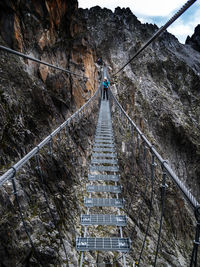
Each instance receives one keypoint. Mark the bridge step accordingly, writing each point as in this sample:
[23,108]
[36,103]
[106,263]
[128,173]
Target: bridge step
[103,168]
[104,130]
[99,136]
[105,149]
[103,127]
[103,161]
[103,141]
[103,188]
[104,133]
[103,244]
[103,177]
[103,219]
[104,155]
[104,202]
[103,145]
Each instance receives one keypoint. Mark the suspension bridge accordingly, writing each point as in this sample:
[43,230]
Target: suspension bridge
[104,178]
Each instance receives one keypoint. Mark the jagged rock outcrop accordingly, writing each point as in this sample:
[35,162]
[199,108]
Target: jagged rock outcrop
[34,100]
[35,95]
[159,90]
[194,40]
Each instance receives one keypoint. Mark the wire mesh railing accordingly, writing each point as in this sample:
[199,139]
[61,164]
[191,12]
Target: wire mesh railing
[152,183]
[35,198]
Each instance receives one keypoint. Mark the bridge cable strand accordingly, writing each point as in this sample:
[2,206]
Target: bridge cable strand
[135,187]
[14,52]
[163,195]
[151,206]
[136,178]
[9,173]
[159,32]
[194,257]
[186,193]
[23,220]
[40,175]
[143,198]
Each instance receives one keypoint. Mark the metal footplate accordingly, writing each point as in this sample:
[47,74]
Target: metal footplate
[103,134]
[102,141]
[103,145]
[99,137]
[104,130]
[103,244]
[103,188]
[103,177]
[104,155]
[103,219]
[103,149]
[104,168]
[103,161]
[104,202]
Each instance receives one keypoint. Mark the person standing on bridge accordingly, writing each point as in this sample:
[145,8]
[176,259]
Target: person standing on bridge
[105,88]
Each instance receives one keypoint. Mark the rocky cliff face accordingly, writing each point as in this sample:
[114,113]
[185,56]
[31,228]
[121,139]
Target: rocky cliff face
[34,100]
[159,90]
[41,97]
[194,40]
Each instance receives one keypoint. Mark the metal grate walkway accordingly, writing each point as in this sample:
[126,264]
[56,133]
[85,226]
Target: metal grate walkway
[104,155]
[104,168]
[104,202]
[103,161]
[110,244]
[103,149]
[103,219]
[103,188]
[103,177]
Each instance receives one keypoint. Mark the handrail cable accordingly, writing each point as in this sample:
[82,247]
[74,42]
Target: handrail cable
[23,220]
[158,33]
[14,52]
[163,195]
[151,206]
[187,194]
[40,175]
[9,173]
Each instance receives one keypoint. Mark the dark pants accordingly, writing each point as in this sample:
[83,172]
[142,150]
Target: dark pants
[105,93]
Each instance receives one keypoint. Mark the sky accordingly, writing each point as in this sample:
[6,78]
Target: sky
[156,11]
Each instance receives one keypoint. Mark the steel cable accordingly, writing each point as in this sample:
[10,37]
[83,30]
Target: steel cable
[151,207]
[186,193]
[146,179]
[9,173]
[158,33]
[163,194]
[23,220]
[14,52]
[40,174]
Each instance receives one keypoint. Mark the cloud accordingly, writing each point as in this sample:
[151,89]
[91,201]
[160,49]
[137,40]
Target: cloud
[181,31]
[185,25]
[144,7]
[156,11]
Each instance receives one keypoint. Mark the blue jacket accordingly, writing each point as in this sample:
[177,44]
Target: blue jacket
[105,84]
